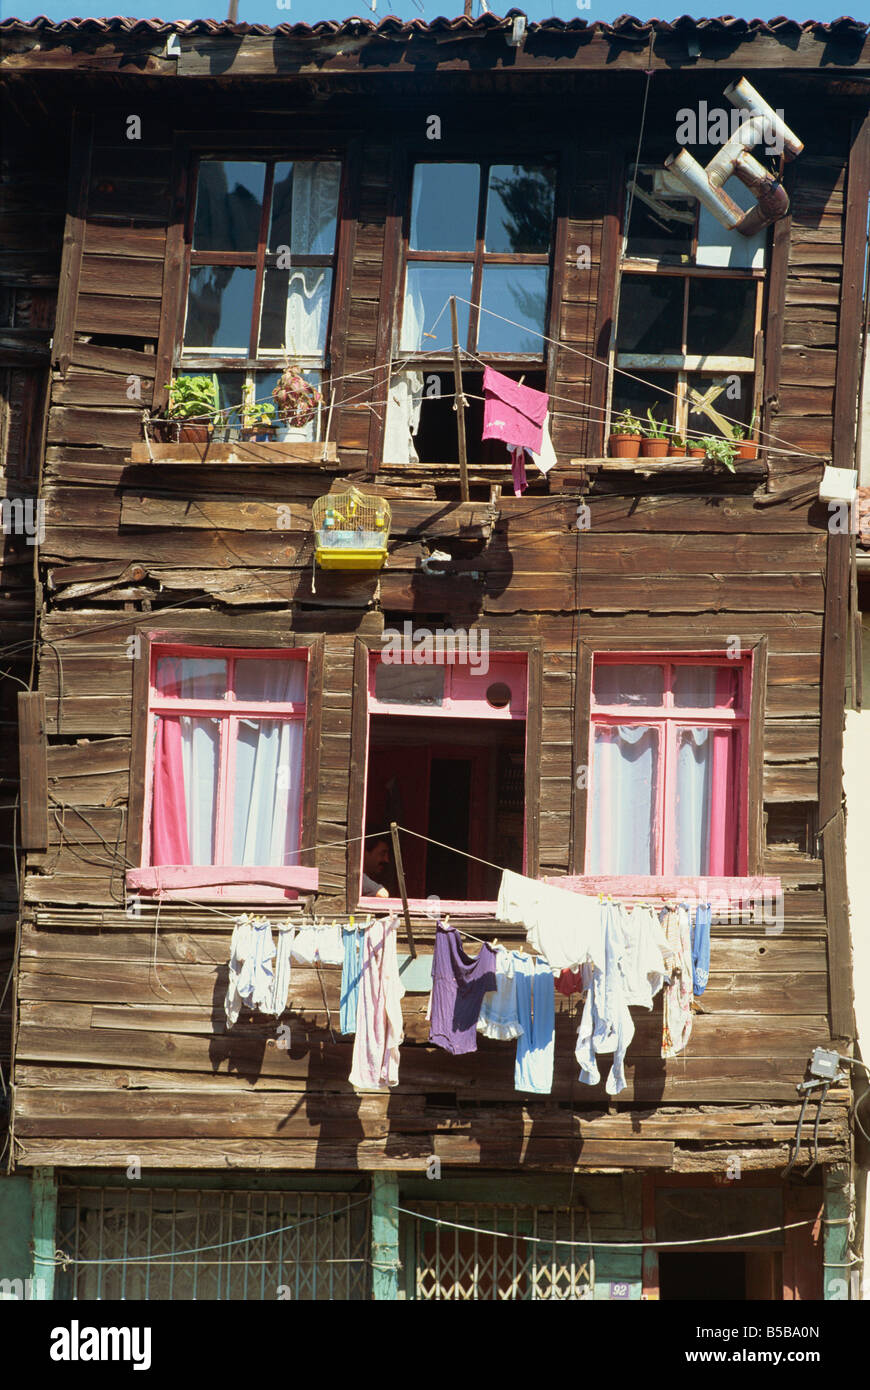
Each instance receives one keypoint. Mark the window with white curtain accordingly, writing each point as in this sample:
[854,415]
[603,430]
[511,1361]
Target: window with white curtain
[227,738]
[261,270]
[668,766]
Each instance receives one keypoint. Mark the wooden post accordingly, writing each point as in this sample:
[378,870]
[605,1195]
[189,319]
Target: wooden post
[44,1197]
[459,403]
[33,764]
[400,872]
[385,1237]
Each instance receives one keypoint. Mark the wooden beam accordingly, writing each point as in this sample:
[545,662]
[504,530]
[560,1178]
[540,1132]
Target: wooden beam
[73,238]
[33,764]
[400,873]
[459,403]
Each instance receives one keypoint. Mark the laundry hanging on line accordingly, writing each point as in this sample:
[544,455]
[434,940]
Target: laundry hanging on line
[259,970]
[517,416]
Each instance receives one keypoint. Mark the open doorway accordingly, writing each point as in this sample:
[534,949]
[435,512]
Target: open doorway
[446,758]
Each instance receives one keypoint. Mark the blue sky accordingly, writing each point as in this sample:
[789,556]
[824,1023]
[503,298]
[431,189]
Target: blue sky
[308,11]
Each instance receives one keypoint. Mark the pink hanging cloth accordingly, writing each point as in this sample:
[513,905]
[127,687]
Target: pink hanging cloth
[514,414]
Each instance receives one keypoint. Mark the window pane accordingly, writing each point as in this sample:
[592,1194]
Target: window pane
[296,310]
[662,224]
[721,317]
[268,790]
[444,207]
[705,820]
[191,678]
[186,761]
[518,293]
[519,209]
[622,804]
[733,401]
[426,294]
[640,390]
[219,306]
[628,685]
[650,314]
[409,685]
[261,681]
[229,199]
[706,687]
[305,207]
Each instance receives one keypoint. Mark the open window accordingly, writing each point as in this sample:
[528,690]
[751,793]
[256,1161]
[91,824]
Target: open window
[224,773]
[447,758]
[690,311]
[668,766]
[261,257]
[484,232]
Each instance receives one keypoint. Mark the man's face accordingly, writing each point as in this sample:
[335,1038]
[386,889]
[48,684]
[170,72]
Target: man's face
[376,859]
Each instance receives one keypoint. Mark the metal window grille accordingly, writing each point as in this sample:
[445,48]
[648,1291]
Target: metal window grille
[521,1263]
[148,1245]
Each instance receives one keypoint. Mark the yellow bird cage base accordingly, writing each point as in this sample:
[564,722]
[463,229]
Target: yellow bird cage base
[351,530]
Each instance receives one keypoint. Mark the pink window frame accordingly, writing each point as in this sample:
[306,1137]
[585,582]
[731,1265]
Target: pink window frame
[482,710]
[253,883]
[667,718]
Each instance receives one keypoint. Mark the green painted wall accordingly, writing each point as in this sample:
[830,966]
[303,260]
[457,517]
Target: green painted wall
[16,1220]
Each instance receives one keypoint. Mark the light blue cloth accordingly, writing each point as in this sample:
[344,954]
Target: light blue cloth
[606,1025]
[498,1012]
[701,948]
[351,974]
[536,1011]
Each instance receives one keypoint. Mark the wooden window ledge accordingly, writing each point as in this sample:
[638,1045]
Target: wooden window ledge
[238,452]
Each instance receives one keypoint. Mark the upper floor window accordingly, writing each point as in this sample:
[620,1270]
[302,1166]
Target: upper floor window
[226,767]
[690,309]
[261,268]
[484,232]
[669,766]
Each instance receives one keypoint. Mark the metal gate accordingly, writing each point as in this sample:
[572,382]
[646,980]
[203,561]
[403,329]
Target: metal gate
[184,1244]
[475,1251]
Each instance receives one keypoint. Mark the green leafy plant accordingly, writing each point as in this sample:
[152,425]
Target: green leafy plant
[739,433]
[719,449]
[625,423]
[262,413]
[677,440]
[192,398]
[656,429]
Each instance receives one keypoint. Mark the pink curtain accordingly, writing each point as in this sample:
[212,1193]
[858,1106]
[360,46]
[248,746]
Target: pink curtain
[169,839]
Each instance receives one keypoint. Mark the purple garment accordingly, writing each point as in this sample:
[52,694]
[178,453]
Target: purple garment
[459,983]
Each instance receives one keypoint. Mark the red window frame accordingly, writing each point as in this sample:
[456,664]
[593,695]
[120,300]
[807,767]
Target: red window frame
[667,717]
[255,883]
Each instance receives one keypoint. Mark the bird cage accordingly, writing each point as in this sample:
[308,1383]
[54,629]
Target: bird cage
[350,530]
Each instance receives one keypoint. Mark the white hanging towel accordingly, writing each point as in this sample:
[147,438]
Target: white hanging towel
[252,977]
[563,927]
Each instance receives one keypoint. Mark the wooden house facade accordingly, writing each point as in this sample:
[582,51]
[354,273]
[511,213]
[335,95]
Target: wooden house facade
[218,200]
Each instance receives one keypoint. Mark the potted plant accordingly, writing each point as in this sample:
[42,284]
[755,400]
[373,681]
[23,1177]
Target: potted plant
[654,443]
[747,447]
[261,421]
[625,436]
[695,448]
[676,444]
[718,449]
[296,399]
[193,403]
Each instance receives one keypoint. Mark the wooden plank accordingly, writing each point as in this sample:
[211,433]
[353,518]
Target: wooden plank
[217,453]
[73,237]
[33,770]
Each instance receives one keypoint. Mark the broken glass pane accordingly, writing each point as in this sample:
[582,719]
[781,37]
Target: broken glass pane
[650,314]
[662,223]
[229,199]
[444,207]
[519,210]
[630,684]
[721,317]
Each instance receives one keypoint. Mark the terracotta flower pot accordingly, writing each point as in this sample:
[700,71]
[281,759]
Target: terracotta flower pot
[653,448]
[676,450]
[625,446]
[163,431]
[748,449]
[695,453]
[193,434]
